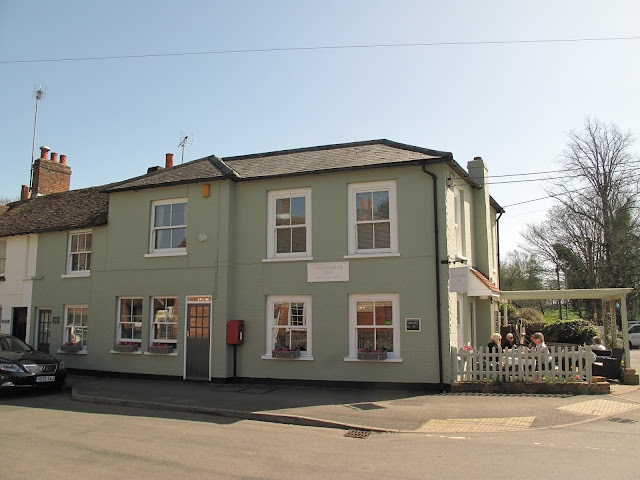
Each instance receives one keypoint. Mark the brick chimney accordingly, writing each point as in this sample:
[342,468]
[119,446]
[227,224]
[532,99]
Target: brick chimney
[49,176]
[169,160]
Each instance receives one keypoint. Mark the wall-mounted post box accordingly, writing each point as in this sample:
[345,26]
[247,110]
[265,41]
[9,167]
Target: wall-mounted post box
[235,332]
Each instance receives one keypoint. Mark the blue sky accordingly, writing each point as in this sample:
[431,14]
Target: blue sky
[511,104]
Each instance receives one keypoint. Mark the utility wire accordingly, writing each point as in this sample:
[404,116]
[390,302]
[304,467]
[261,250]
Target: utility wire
[323,47]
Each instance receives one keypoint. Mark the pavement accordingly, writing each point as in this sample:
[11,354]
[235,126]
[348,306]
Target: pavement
[356,409]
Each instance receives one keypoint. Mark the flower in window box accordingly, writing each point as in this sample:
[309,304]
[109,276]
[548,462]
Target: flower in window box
[372,354]
[285,352]
[71,347]
[126,347]
[164,348]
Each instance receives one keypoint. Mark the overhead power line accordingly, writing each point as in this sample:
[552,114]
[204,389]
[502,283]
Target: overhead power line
[323,47]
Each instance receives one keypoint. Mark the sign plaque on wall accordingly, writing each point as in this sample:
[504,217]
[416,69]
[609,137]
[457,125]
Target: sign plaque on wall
[412,324]
[55,319]
[328,272]
[459,279]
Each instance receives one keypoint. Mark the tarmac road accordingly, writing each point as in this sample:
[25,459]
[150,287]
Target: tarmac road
[48,436]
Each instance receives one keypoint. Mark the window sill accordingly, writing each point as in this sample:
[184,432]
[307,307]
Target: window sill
[76,275]
[165,254]
[126,353]
[81,352]
[372,255]
[287,259]
[172,354]
[304,358]
[387,360]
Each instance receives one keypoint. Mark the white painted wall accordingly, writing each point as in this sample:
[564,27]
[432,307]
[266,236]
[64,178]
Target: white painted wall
[20,268]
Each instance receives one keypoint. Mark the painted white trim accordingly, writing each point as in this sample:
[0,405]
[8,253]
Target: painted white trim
[172,354]
[353,189]
[394,298]
[371,255]
[81,352]
[165,254]
[126,353]
[301,358]
[166,251]
[82,274]
[386,360]
[70,272]
[308,309]
[152,319]
[64,324]
[119,317]
[274,195]
[290,259]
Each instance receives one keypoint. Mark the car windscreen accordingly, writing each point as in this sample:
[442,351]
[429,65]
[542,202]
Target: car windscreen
[13,344]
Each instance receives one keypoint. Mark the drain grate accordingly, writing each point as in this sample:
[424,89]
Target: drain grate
[357,433]
[622,420]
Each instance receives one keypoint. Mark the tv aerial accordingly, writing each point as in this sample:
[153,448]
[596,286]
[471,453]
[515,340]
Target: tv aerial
[186,138]
[39,92]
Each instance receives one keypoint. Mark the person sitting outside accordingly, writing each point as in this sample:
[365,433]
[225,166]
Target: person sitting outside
[538,346]
[597,344]
[494,347]
[510,342]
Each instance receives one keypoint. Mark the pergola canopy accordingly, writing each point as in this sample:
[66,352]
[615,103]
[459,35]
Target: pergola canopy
[572,294]
[604,294]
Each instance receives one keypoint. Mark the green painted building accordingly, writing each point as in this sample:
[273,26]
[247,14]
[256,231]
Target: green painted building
[361,262]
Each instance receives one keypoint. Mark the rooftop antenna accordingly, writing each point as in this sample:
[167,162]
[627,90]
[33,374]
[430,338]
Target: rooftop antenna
[39,92]
[185,139]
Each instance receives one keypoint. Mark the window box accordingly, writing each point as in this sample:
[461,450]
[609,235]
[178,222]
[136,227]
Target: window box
[126,348]
[161,349]
[71,347]
[285,354]
[372,355]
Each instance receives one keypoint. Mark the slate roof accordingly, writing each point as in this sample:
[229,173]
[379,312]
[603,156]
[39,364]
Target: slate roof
[302,161]
[88,207]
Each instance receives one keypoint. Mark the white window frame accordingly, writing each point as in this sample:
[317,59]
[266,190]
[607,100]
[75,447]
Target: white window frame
[394,298]
[119,321]
[271,301]
[273,196]
[353,190]
[89,253]
[67,326]
[154,252]
[152,335]
[3,258]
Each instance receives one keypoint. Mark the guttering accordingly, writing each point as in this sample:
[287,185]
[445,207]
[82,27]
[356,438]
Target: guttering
[436,230]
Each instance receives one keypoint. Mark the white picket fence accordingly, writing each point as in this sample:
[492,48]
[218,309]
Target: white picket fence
[562,364]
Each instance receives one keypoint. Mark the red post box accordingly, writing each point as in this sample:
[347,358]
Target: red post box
[235,332]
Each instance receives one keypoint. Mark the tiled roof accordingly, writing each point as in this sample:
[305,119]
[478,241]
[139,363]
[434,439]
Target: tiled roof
[195,171]
[301,161]
[88,207]
[331,157]
[488,283]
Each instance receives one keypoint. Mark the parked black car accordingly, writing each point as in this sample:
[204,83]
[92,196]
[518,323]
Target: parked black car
[23,366]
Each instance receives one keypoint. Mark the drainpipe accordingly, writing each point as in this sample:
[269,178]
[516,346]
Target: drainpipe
[498,244]
[437,267]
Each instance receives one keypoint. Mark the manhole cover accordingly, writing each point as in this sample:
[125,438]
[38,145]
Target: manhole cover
[357,433]
[621,420]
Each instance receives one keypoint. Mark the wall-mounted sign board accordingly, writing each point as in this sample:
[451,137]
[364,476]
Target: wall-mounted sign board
[412,324]
[328,272]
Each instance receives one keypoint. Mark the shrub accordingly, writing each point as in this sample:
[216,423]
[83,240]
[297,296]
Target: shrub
[577,332]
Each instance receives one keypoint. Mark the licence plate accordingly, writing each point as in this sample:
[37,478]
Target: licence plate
[46,378]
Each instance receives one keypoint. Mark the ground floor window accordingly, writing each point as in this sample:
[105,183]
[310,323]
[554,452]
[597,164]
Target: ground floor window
[374,324]
[130,320]
[289,324]
[76,320]
[164,320]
